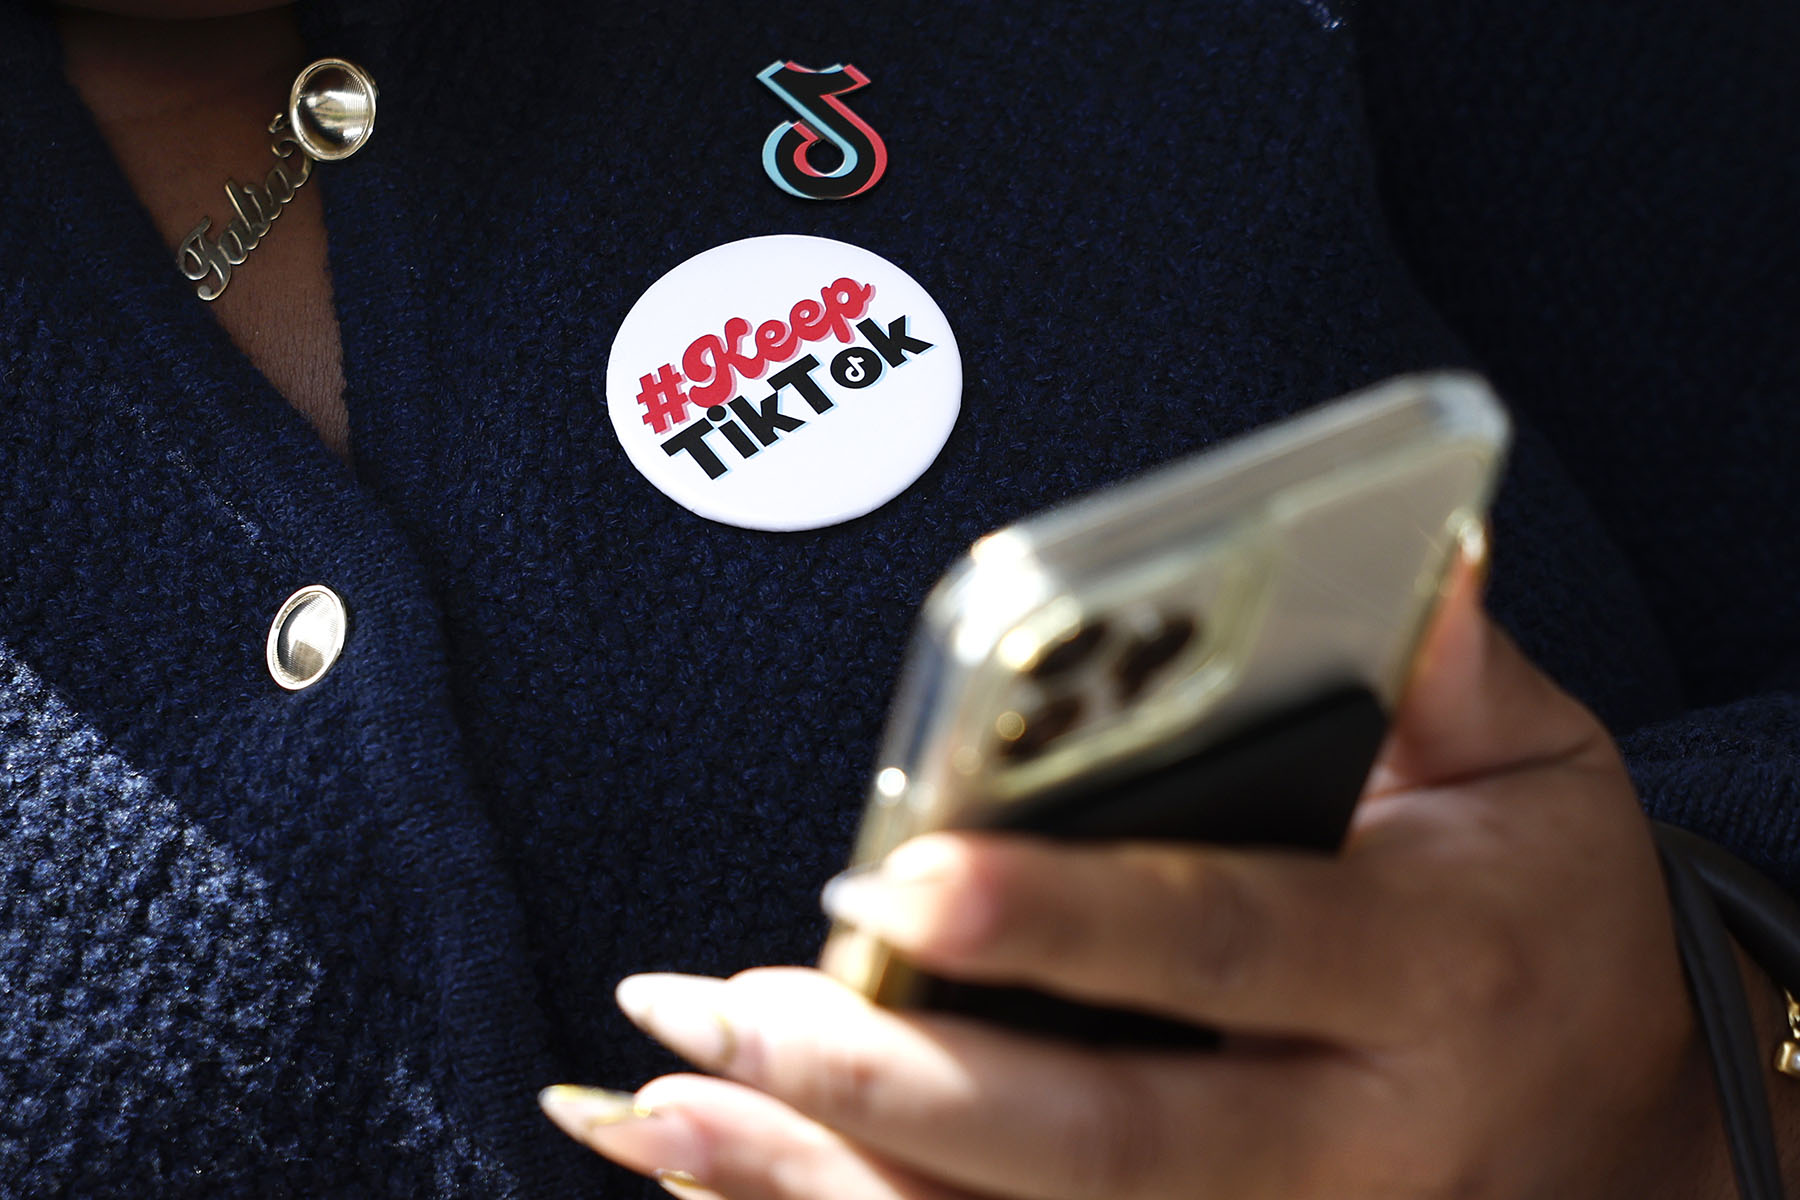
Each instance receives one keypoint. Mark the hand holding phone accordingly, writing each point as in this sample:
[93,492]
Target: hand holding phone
[1210,652]
[1479,993]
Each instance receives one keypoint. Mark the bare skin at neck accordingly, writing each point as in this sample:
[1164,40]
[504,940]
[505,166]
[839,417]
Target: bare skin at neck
[185,103]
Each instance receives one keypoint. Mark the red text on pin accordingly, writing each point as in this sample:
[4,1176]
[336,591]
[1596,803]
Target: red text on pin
[749,428]
[713,363]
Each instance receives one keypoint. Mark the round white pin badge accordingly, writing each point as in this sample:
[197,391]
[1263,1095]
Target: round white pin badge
[784,382]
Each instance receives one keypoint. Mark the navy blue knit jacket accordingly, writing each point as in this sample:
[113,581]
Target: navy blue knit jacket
[331,942]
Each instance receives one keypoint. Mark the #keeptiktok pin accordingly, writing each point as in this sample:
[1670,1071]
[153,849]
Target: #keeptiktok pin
[783,383]
[330,116]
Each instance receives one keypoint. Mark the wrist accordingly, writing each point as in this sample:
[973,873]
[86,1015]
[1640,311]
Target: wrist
[1768,1007]
[1696,1161]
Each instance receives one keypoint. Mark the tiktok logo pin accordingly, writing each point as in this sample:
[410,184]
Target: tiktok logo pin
[817,97]
[784,383]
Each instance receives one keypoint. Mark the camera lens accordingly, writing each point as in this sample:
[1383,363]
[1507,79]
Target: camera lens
[1023,735]
[1150,652]
[1068,651]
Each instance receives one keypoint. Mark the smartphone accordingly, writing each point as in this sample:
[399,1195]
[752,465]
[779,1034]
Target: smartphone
[1208,652]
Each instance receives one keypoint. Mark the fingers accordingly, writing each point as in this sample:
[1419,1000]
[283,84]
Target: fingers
[707,1139]
[1475,705]
[1253,942]
[1363,993]
[976,1108]
[1260,942]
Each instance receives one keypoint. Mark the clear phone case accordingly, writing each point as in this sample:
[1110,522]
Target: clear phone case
[1130,634]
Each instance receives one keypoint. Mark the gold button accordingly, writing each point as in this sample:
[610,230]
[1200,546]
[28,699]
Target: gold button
[306,637]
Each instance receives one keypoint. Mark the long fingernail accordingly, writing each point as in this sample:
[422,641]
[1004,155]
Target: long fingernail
[684,1012]
[857,897]
[926,859]
[578,1111]
[874,898]
[680,1183]
[658,1142]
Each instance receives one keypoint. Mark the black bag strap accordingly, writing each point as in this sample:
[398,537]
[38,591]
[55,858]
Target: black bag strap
[1715,897]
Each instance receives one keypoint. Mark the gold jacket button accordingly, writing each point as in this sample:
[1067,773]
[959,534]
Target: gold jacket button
[306,637]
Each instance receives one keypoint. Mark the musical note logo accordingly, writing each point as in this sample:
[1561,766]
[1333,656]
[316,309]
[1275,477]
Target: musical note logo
[793,156]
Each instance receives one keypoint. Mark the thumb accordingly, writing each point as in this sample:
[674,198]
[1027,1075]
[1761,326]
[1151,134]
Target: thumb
[1475,705]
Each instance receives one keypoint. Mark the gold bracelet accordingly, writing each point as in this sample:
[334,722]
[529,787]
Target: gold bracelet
[1787,1055]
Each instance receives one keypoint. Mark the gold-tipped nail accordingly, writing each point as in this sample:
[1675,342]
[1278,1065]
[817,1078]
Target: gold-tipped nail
[680,1183]
[577,1109]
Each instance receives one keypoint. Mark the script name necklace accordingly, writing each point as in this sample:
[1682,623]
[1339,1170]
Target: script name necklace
[330,115]
[208,261]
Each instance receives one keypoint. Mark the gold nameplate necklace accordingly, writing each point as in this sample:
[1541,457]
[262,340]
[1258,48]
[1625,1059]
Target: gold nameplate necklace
[330,115]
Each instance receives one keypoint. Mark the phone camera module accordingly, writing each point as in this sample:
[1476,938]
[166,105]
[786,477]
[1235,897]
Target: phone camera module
[1025,735]
[1148,653]
[1068,651]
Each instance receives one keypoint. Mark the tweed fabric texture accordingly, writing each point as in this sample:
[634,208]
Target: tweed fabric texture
[331,942]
